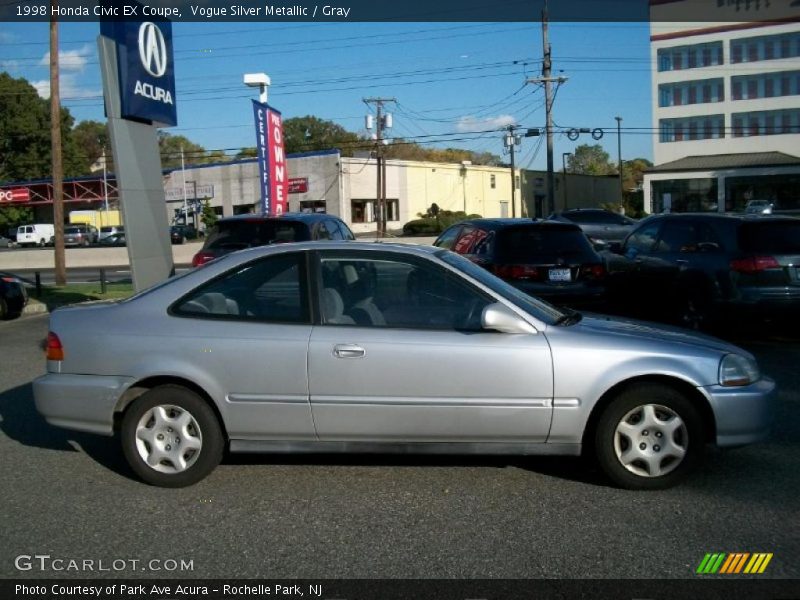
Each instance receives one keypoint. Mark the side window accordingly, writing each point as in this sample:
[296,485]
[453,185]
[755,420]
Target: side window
[484,245]
[448,238]
[344,231]
[642,239]
[685,236]
[322,232]
[397,292]
[333,229]
[465,240]
[271,290]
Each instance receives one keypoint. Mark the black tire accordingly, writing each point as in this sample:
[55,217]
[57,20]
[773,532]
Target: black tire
[42,243]
[4,314]
[176,401]
[653,446]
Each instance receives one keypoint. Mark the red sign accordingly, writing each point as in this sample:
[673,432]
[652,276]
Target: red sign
[15,195]
[279,178]
[298,185]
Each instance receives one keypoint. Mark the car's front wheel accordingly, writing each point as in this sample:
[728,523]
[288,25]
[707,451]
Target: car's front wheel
[171,437]
[649,437]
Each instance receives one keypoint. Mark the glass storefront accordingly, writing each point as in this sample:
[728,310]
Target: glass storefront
[684,195]
[782,190]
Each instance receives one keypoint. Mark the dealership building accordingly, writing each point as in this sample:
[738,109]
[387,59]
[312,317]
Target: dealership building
[327,182]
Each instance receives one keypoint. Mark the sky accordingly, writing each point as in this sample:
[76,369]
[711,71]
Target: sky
[455,84]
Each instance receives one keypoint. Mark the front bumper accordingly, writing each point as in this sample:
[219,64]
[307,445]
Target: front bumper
[743,415]
[81,402]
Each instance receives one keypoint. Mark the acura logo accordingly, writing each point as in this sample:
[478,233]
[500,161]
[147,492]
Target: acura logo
[152,49]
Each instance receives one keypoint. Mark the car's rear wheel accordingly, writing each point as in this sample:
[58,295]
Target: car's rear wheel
[171,437]
[4,314]
[650,437]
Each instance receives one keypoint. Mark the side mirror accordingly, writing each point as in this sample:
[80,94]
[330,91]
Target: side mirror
[498,317]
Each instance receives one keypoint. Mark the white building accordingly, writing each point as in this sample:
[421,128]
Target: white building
[726,108]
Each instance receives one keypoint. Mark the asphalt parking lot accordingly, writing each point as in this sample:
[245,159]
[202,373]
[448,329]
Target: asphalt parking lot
[71,496]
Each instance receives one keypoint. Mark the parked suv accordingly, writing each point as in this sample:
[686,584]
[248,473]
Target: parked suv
[693,267]
[550,260]
[246,231]
[601,226]
[80,235]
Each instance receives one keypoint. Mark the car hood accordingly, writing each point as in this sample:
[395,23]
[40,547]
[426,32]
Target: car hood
[651,332]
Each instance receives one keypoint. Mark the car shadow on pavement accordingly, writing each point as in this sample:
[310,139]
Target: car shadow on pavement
[567,468]
[20,421]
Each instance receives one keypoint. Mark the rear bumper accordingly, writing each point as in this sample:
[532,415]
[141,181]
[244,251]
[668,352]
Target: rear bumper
[743,415]
[81,402]
[578,295]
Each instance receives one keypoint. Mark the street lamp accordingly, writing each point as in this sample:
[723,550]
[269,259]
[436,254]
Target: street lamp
[564,156]
[259,80]
[619,156]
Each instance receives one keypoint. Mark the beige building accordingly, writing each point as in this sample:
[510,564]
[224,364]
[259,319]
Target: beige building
[347,187]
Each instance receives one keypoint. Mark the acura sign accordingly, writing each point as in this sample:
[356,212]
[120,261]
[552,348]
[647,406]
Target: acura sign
[146,74]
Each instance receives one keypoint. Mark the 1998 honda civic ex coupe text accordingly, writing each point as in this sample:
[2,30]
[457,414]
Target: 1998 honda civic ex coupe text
[356,347]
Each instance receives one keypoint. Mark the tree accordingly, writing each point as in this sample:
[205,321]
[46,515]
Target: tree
[170,147]
[208,216]
[590,160]
[25,134]
[633,172]
[92,138]
[11,215]
[306,134]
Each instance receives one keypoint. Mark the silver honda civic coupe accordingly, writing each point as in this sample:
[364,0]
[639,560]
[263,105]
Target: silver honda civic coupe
[358,347]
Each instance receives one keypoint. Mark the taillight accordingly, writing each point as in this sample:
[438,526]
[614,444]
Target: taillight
[593,271]
[516,271]
[55,351]
[202,258]
[754,264]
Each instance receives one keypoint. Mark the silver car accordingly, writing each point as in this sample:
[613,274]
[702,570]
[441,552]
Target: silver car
[356,347]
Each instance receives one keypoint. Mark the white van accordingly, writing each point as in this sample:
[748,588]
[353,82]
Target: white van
[38,234]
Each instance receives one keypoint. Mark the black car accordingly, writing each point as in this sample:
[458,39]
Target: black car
[602,226]
[176,235]
[694,267]
[13,296]
[188,232]
[246,231]
[547,259]
[113,239]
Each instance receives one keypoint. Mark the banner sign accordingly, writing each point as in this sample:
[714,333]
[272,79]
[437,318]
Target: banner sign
[298,185]
[146,73]
[15,195]
[273,178]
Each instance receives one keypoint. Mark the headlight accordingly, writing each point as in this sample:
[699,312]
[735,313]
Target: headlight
[735,370]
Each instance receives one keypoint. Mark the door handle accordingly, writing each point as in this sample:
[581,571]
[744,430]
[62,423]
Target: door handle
[348,351]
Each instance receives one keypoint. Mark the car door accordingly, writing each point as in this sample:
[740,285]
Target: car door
[253,325]
[419,368]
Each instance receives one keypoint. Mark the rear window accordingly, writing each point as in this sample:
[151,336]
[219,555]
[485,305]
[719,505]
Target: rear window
[548,244]
[72,230]
[774,237]
[106,229]
[235,235]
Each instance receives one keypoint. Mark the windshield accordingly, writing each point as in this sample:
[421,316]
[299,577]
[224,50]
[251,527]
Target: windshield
[536,307]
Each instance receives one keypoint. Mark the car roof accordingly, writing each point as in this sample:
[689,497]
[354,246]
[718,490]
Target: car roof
[502,223]
[289,216]
[725,217]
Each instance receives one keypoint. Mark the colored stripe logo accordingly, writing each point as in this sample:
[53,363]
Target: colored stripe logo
[734,563]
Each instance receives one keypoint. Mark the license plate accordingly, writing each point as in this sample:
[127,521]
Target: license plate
[559,275]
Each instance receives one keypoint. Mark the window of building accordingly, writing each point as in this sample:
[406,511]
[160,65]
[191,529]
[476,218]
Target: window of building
[691,92]
[516,182]
[765,47]
[689,57]
[736,89]
[492,182]
[692,128]
[766,122]
[362,211]
[766,85]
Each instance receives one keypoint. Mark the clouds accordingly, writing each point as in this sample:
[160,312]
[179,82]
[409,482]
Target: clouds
[470,123]
[72,64]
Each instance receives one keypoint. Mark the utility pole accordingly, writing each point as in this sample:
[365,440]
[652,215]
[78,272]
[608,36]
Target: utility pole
[511,141]
[55,146]
[547,79]
[381,122]
[105,182]
[619,157]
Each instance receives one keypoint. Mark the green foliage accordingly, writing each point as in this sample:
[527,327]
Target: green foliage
[434,225]
[170,148]
[92,137]
[590,160]
[403,150]
[11,215]
[246,153]
[208,216]
[25,151]
[307,134]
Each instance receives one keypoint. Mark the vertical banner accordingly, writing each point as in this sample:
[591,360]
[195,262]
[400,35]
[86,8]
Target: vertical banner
[273,178]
